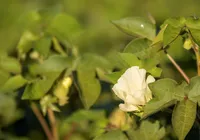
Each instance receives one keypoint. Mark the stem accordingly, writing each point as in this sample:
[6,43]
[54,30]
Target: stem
[42,121]
[68,135]
[53,123]
[195,47]
[178,68]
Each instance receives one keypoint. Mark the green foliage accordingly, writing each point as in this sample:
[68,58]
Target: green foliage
[147,131]
[113,135]
[183,118]
[136,26]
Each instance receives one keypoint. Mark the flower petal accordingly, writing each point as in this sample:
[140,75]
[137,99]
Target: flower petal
[150,79]
[128,107]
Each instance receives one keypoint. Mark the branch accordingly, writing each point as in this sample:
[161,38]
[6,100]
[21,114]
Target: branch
[178,68]
[42,121]
[53,123]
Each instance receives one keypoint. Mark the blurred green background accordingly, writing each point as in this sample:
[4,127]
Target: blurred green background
[98,36]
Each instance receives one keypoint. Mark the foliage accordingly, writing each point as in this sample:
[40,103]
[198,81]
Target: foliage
[65,60]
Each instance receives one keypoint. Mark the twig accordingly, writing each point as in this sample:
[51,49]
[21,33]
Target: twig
[53,123]
[195,47]
[42,121]
[178,68]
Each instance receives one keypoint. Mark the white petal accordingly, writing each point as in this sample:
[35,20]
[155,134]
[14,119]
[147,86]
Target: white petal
[121,94]
[150,79]
[137,99]
[148,95]
[128,107]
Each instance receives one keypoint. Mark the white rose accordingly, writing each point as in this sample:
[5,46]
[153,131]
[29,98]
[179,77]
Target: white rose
[132,88]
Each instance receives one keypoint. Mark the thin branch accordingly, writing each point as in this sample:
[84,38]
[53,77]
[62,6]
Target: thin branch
[53,124]
[178,68]
[195,47]
[42,121]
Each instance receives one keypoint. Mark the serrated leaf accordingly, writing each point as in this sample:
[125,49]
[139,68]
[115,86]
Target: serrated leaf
[138,47]
[163,92]
[194,88]
[13,83]
[112,135]
[183,118]
[39,88]
[55,63]
[136,26]
[170,34]
[147,131]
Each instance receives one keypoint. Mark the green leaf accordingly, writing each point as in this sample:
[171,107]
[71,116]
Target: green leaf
[85,115]
[13,83]
[90,87]
[136,26]
[170,34]
[55,63]
[138,47]
[39,88]
[176,22]
[64,27]
[42,46]
[147,131]
[163,92]
[4,76]
[183,118]
[114,76]
[112,135]
[194,88]
[159,37]
[130,59]
[10,64]
[181,91]
[195,34]
[26,42]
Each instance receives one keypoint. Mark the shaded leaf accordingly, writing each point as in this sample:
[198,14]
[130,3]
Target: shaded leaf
[64,27]
[39,88]
[112,135]
[4,76]
[136,26]
[138,47]
[147,131]
[170,34]
[194,88]
[55,63]
[42,46]
[163,92]
[10,64]
[183,118]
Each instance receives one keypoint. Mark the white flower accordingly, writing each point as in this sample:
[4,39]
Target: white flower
[132,88]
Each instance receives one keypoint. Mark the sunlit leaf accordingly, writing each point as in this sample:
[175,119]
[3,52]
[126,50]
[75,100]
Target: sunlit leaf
[136,26]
